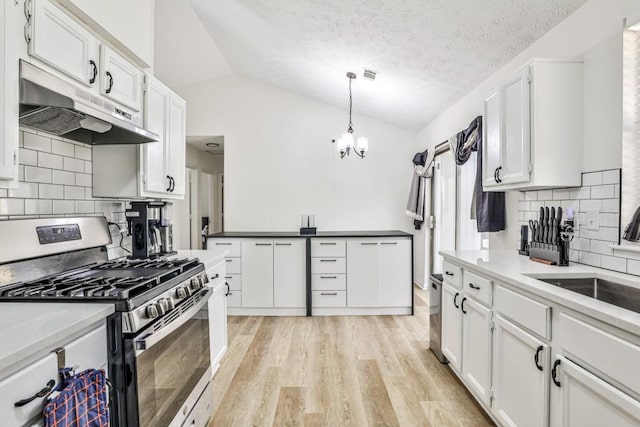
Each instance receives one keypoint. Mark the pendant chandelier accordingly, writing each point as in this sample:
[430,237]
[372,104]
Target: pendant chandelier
[345,144]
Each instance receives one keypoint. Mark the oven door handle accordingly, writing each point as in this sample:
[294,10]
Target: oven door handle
[148,340]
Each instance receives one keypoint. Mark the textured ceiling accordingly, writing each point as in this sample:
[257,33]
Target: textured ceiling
[209,144]
[428,52]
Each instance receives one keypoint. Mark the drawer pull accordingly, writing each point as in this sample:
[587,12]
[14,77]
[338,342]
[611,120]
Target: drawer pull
[536,358]
[472,286]
[554,372]
[263,244]
[329,293]
[328,243]
[228,289]
[283,244]
[462,305]
[228,277]
[328,260]
[369,243]
[228,260]
[455,300]
[448,273]
[215,276]
[328,277]
[389,243]
[223,244]
[42,393]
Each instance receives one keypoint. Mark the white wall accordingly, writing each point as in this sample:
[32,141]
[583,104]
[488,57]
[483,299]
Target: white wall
[203,161]
[280,162]
[593,32]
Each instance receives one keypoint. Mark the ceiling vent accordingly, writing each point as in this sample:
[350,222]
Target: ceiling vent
[369,74]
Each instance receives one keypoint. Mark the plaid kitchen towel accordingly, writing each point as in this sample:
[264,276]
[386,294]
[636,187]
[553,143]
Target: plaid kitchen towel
[80,400]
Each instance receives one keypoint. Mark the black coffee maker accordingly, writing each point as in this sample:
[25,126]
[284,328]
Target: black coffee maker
[150,230]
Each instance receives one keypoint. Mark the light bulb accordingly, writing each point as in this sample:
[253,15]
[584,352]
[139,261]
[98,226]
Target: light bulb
[348,139]
[363,144]
[341,144]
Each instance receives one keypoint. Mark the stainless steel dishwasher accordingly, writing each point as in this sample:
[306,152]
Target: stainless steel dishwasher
[435,317]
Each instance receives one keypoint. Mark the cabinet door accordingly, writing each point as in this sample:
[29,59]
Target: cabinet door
[363,273]
[520,368]
[491,150]
[218,326]
[515,128]
[9,83]
[586,400]
[289,273]
[177,143]
[476,347]
[120,80]
[156,110]
[61,42]
[452,326]
[257,273]
[395,273]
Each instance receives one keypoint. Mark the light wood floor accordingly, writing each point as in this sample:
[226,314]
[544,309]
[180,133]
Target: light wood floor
[338,371]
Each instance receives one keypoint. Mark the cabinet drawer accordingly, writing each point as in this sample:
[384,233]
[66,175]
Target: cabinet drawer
[216,273]
[328,248]
[23,384]
[329,298]
[477,287]
[609,354]
[233,265]
[531,314]
[231,245]
[328,265]
[329,282]
[234,281]
[452,274]
[88,352]
[234,299]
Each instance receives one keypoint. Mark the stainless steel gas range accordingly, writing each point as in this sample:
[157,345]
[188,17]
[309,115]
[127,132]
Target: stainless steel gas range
[159,357]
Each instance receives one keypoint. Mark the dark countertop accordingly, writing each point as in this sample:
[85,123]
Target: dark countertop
[290,234]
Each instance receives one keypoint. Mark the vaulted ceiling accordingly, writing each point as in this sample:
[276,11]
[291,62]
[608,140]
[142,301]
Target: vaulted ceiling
[428,53]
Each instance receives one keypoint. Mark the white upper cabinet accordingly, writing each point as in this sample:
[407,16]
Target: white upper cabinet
[533,128]
[120,80]
[177,143]
[154,155]
[61,42]
[9,38]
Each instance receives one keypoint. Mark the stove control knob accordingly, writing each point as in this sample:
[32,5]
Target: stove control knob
[195,283]
[152,311]
[170,305]
[162,309]
[183,292]
[165,304]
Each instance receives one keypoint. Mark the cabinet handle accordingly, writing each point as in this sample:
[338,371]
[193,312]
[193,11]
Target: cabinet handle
[228,277]
[110,77]
[472,286]
[328,243]
[495,176]
[328,260]
[283,244]
[554,372]
[223,244]
[498,174]
[368,243]
[448,273]
[42,393]
[94,69]
[173,184]
[455,300]
[328,277]
[263,244]
[536,358]
[329,293]
[215,277]
[228,260]
[169,187]
[228,289]
[389,243]
[462,305]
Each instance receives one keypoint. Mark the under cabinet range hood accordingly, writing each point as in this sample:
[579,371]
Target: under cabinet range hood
[55,106]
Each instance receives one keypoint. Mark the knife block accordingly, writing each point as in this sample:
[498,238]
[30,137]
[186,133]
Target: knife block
[556,254]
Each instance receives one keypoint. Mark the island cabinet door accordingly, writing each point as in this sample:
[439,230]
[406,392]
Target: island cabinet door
[395,273]
[257,273]
[363,273]
[476,347]
[289,273]
[520,368]
[584,399]
[452,326]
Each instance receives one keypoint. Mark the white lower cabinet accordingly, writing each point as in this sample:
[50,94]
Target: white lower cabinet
[451,326]
[476,347]
[583,399]
[363,277]
[395,273]
[289,274]
[218,326]
[520,368]
[257,273]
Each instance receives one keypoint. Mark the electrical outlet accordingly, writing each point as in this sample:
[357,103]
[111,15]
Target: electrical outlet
[593,220]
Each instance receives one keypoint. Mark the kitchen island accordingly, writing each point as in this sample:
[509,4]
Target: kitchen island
[512,327]
[328,273]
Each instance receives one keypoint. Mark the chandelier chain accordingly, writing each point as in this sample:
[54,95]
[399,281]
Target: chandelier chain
[350,129]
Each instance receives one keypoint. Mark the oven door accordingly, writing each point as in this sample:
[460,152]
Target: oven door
[172,363]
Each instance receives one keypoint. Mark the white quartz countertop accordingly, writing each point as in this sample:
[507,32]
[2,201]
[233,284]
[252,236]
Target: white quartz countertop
[516,270]
[208,257]
[29,328]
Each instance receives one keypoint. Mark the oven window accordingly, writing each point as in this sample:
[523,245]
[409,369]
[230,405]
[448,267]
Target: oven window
[168,371]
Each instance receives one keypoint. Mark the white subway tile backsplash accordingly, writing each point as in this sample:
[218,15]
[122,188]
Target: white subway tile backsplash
[82,152]
[602,192]
[51,161]
[580,193]
[601,247]
[590,205]
[25,190]
[633,267]
[561,194]
[524,206]
[85,206]
[83,179]
[611,205]
[592,178]
[35,174]
[11,206]
[88,167]
[608,220]
[62,148]
[64,206]
[610,234]
[20,172]
[545,195]
[28,157]
[64,177]
[530,195]
[74,165]
[73,192]
[611,176]
[589,259]
[37,142]
[38,206]
[613,263]
[50,191]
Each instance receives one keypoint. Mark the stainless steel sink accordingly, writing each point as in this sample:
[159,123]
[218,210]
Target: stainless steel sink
[603,290]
